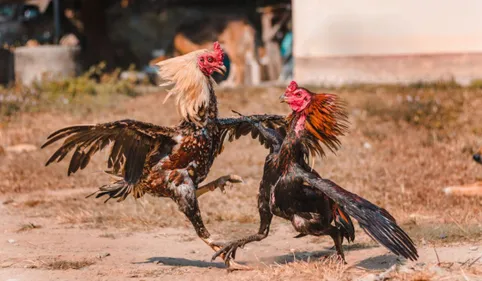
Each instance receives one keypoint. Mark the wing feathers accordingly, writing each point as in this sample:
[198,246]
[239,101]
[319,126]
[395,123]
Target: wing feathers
[375,221]
[132,142]
[234,128]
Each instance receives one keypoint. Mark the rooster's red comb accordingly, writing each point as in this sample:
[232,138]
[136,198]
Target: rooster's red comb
[218,51]
[292,86]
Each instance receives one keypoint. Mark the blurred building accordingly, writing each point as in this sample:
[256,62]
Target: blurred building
[377,41]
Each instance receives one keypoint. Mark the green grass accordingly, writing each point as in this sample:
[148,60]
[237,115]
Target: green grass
[82,92]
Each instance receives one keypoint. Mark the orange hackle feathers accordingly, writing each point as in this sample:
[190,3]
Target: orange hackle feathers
[190,86]
[325,121]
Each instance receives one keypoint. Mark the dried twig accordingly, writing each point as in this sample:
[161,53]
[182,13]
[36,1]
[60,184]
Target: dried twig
[465,276]
[458,224]
[436,254]
[472,263]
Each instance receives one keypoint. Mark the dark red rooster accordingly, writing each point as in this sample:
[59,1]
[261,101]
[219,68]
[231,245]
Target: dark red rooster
[292,190]
[166,161]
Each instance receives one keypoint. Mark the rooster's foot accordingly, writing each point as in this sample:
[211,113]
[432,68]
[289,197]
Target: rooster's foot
[232,266]
[226,181]
[228,253]
[221,183]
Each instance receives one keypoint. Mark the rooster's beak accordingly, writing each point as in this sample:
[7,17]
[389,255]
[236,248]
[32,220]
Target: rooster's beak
[221,69]
[282,98]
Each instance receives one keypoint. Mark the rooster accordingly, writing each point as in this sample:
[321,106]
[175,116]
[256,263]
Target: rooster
[292,190]
[166,161]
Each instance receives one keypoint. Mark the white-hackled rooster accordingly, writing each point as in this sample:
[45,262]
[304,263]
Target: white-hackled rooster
[166,161]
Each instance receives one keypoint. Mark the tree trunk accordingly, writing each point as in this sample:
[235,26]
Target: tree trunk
[98,46]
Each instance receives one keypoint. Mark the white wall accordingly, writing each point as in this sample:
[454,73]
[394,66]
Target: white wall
[327,28]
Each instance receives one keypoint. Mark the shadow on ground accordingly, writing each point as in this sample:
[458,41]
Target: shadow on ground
[379,262]
[298,256]
[311,256]
[358,246]
[373,263]
[182,262]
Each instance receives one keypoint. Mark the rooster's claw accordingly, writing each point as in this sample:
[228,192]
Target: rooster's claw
[228,251]
[227,181]
[221,183]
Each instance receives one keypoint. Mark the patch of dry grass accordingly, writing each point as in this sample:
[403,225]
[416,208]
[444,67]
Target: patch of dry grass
[445,232]
[422,110]
[28,226]
[108,235]
[390,156]
[83,92]
[66,264]
[329,269]
[141,214]
[332,270]
[32,203]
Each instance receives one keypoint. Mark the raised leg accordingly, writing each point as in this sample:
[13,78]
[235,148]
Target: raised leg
[186,199]
[228,252]
[221,183]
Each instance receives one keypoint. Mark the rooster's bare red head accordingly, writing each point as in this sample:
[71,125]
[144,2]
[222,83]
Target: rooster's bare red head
[297,98]
[212,61]
[302,100]
[319,117]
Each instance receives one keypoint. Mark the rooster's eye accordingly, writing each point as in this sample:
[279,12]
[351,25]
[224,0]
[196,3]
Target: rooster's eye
[201,59]
[210,59]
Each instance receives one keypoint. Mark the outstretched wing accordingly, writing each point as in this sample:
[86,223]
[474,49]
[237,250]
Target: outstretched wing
[375,221]
[132,142]
[233,128]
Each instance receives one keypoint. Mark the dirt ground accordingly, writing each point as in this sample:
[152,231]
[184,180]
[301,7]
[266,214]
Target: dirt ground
[404,146]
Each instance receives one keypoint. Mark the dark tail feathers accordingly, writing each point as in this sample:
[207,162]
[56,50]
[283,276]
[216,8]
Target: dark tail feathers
[380,226]
[375,221]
